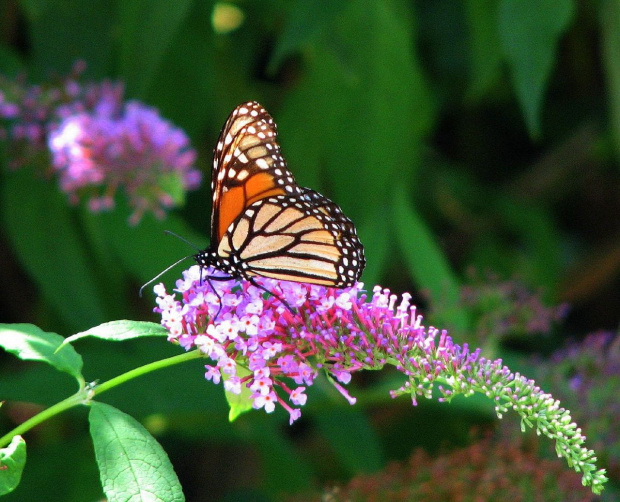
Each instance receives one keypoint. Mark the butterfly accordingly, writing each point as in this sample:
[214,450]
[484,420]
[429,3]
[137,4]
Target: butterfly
[263,223]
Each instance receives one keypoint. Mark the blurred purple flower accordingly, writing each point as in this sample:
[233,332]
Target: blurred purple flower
[587,378]
[507,309]
[123,145]
[337,332]
[100,144]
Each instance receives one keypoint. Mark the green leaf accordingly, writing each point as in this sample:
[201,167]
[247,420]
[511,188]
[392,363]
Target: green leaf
[147,28]
[385,113]
[610,42]
[529,32]
[427,262]
[348,432]
[145,250]
[30,343]
[62,32]
[305,21]
[118,331]
[43,232]
[132,464]
[10,62]
[111,279]
[540,244]
[239,403]
[486,54]
[377,242]
[185,77]
[12,462]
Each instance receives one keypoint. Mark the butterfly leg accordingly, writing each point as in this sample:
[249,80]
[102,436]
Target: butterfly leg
[282,300]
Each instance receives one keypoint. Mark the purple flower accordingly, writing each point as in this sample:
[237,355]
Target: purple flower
[587,378]
[338,332]
[506,309]
[99,144]
[123,145]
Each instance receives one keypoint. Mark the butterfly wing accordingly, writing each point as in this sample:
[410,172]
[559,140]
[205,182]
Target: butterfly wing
[247,166]
[304,238]
[263,223]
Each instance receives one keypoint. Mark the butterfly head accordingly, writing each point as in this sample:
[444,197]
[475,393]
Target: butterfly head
[208,258]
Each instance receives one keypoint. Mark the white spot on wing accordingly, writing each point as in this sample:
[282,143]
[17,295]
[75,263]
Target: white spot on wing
[262,163]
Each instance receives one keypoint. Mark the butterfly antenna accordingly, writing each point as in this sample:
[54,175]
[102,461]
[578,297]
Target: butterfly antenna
[169,232]
[162,273]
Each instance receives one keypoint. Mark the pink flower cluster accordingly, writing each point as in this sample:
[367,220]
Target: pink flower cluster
[507,309]
[99,144]
[272,347]
[260,334]
[123,145]
[333,330]
[29,111]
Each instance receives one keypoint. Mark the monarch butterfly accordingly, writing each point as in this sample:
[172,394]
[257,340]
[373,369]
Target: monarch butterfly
[263,223]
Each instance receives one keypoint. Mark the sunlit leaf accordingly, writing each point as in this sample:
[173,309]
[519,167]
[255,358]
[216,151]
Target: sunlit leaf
[30,343]
[120,331]
[239,403]
[12,462]
[132,464]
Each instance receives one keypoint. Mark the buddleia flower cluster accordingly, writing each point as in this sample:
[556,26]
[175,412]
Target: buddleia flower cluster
[97,144]
[508,309]
[273,346]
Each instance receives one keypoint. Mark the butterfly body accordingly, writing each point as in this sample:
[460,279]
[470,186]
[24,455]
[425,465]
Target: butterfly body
[263,223]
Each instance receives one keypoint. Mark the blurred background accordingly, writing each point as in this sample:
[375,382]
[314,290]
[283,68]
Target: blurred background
[474,144]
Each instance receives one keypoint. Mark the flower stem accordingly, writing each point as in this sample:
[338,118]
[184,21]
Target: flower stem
[65,404]
[86,394]
[147,368]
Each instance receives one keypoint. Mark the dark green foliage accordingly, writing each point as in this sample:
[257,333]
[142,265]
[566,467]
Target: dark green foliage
[482,133]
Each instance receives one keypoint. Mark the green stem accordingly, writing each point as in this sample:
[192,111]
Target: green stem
[70,402]
[85,395]
[147,368]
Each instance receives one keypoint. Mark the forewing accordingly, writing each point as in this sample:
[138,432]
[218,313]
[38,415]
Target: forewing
[247,166]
